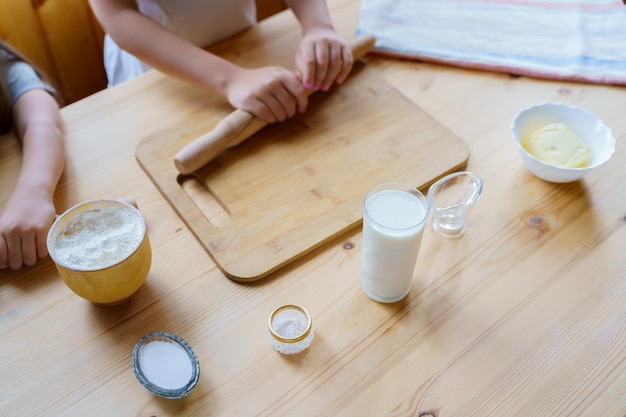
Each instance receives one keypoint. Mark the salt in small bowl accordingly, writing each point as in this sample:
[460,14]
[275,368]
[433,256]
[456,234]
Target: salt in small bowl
[290,329]
[166,365]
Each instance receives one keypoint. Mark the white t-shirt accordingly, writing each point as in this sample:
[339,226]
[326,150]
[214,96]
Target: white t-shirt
[201,22]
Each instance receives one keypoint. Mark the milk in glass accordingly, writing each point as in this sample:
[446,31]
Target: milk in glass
[393,225]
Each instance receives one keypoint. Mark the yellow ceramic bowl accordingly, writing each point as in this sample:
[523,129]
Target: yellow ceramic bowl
[101,250]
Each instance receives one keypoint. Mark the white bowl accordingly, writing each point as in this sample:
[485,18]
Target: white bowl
[593,131]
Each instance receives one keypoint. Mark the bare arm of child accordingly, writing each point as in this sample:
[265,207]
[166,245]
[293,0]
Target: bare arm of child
[323,57]
[270,93]
[29,213]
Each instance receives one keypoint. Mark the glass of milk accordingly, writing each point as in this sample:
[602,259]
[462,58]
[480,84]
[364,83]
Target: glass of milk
[394,215]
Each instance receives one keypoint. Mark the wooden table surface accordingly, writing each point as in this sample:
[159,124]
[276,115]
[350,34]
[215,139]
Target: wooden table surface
[525,315]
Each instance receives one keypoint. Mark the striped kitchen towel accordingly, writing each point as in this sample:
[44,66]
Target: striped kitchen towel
[577,40]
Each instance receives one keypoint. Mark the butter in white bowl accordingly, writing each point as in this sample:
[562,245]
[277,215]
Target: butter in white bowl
[556,144]
[561,143]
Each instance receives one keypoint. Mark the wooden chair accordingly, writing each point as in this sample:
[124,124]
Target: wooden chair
[64,39]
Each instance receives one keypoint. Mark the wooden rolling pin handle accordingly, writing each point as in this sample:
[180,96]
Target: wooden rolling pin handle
[238,126]
[361,45]
[230,131]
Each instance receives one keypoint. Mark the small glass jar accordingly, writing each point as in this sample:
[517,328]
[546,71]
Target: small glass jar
[166,365]
[450,200]
[290,329]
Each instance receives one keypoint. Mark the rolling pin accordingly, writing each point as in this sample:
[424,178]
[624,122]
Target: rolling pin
[238,126]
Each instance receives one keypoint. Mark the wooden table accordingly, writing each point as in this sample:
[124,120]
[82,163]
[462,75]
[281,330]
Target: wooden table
[524,315]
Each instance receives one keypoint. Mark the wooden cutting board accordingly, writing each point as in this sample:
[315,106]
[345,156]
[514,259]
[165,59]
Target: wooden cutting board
[296,185]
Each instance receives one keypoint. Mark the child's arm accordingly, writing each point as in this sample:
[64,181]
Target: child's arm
[29,213]
[323,57]
[270,93]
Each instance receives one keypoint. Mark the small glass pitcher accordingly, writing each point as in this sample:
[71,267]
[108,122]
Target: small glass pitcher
[450,199]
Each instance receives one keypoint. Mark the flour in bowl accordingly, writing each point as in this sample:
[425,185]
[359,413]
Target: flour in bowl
[99,236]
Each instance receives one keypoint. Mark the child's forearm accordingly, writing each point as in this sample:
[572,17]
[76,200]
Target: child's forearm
[43,159]
[155,45]
[271,93]
[39,126]
[312,14]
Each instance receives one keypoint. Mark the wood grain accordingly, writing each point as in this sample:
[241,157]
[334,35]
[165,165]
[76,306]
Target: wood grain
[522,316]
[299,184]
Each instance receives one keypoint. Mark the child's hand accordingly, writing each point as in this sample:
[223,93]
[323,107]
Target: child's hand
[272,94]
[24,225]
[323,57]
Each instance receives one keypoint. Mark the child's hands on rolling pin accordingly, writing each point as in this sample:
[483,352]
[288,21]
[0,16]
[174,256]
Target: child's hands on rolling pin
[273,94]
[323,57]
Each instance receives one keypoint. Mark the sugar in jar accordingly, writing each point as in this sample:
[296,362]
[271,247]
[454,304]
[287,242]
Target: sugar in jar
[290,329]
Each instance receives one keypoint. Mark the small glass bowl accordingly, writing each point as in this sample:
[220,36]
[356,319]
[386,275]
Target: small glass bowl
[450,200]
[166,365]
[290,329]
